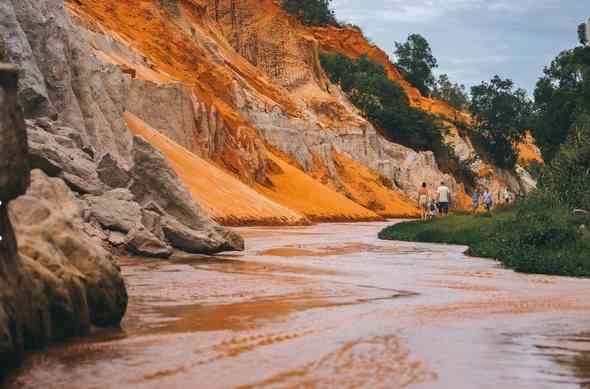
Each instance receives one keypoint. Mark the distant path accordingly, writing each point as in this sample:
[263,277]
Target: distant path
[332,306]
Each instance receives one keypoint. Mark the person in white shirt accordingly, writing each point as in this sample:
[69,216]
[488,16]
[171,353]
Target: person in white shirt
[444,198]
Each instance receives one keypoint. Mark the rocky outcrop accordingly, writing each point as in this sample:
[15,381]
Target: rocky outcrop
[186,225]
[59,151]
[51,241]
[14,179]
[60,77]
[117,199]
[55,281]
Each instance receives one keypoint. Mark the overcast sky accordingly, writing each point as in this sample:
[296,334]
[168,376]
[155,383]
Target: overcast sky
[475,39]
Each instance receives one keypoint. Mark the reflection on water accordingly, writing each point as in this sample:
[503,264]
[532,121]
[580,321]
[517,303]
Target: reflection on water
[331,306]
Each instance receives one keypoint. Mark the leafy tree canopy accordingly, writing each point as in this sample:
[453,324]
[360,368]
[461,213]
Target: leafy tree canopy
[451,92]
[415,59]
[561,95]
[582,34]
[311,12]
[568,175]
[501,117]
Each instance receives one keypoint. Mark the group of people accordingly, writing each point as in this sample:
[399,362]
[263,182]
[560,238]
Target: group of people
[477,199]
[438,203]
[432,204]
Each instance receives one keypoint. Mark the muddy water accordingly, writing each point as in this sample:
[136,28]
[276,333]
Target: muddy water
[331,306]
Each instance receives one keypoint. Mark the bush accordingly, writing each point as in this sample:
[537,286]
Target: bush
[383,102]
[501,115]
[537,236]
[568,175]
[311,12]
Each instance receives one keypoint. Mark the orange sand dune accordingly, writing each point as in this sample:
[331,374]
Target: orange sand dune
[224,197]
[295,189]
[370,190]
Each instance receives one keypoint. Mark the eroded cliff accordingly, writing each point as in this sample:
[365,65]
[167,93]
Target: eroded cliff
[233,94]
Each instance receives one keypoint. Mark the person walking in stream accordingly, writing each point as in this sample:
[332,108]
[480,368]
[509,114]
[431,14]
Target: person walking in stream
[423,201]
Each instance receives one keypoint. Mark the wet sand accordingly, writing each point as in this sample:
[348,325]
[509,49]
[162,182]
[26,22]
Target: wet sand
[331,306]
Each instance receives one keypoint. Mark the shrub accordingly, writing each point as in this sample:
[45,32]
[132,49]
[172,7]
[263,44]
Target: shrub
[568,175]
[538,236]
[311,12]
[383,101]
[501,117]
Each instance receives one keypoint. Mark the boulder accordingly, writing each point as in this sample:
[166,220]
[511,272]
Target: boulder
[112,173]
[60,156]
[48,225]
[204,241]
[143,242]
[115,210]
[185,225]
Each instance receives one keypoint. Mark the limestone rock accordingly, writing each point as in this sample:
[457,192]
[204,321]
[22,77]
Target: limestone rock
[112,173]
[60,76]
[187,226]
[192,241]
[143,242]
[61,156]
[115,210]
[14,179]
[14,166]
[48,222]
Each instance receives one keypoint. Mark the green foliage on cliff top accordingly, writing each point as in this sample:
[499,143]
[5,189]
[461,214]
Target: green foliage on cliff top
[382,101]
[386,105]
[415,60]
[311,12]
[502,114]
[562,95]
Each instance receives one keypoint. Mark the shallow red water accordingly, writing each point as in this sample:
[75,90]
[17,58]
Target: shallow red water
[331,306]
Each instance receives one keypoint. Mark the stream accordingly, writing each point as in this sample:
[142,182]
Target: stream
[331,306]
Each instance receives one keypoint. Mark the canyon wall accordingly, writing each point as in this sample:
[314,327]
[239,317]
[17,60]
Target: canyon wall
[232,93]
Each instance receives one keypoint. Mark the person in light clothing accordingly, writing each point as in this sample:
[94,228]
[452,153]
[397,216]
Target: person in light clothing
[423,201]
[444,198]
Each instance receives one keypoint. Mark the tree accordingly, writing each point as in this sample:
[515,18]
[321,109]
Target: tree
[453,93]
[501,117]
[415,59]
[560,96]
[582,34]
[311,12]
[382,101]
[568,175]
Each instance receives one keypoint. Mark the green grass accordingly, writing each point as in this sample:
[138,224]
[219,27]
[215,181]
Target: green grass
[539,236]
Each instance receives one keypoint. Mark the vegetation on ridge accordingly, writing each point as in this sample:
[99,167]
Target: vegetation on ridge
[415,60]
[382,101]
[311,12]
[501,116]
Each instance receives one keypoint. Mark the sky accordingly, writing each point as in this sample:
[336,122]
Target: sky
[473,40]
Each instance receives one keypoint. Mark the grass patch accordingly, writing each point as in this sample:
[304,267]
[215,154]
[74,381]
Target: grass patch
[539,236]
